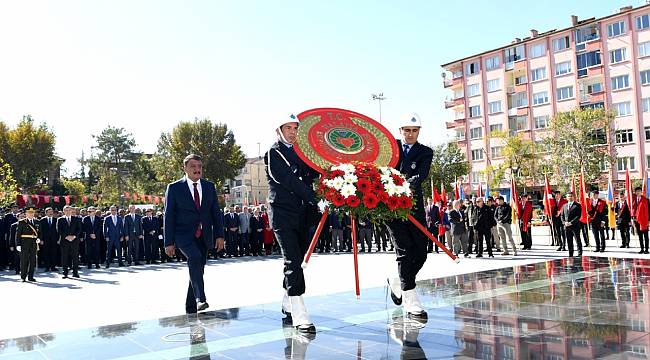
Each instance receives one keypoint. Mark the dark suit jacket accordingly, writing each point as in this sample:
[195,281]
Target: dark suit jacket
[231,221]
[12,234]
[9,220]
[150,225]
[623,215]
[457,220]
[572,214]
[257,224]
[133,228]
[90,227]
[64,229]
[182,217]
[113,232]
[415,167]
[433,216]
[48,234]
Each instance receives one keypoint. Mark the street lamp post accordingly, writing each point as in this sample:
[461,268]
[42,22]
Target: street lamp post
[379,97]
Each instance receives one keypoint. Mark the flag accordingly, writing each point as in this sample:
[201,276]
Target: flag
[443,194]
[456,191]
[487,190]
[611,217]
[584,200]
[436,196]
[514,199]
[628,191]
[479,191]
[548,195]
[573,186]
[462,192]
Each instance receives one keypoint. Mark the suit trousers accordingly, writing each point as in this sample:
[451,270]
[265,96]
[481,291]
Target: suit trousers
[505,233]
[560,236]
[232,240]
[365,238]
[411,250]
[133,251]
[337,239]
[27,258]
[197,256]
[49,253]
[244,244]
[459,243]
[150,247]
[625,234]
[574,233]
[113,247]
[69,255]
[643,237]
[92,251]
[599,235]
[483,235]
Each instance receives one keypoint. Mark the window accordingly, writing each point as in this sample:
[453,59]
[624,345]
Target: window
[459,115]
[519,99]
[642,22]
[472,90]
[521,80]
[514,54]
[594,88]
[599,136]
[646,104]
[644,49]
[476,133]
[587,60]
[477,154]
[647,133]
[617,55]
[541,122]
[459,134]
[474,111]
[624,163]
[496,151]
[458,94]
[477,176]
[494,107]
[496,127]
[622,108]
[472,69]
[587,33]
[492,63]
[518,123]
[540,98]
[645,77]
[560,44]
[623,136]
[647,161]
[620,82]
[563,68]
[538,74]
[616,29]
[537,50]
[564,93]
[493,85]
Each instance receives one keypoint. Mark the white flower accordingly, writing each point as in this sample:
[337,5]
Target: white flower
[395,172]
[348,168]
[350,178]
[391,189]
[348,189]
[385,178]
[336,183]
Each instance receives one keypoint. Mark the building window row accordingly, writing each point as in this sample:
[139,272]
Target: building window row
[564,93]
[617,55]
[494,107]
[623,136]
[620,82]
[493,85]
[538,74]
[616,29]
[475,111]
[476,133]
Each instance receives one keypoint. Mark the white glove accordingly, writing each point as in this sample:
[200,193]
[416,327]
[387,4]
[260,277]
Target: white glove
[160,237]
[18,248]
[322,204]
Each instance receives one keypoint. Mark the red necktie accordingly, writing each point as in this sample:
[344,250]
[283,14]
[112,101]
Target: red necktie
[197,202]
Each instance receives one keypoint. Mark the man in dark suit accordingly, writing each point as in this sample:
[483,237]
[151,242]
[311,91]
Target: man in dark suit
[92,228]
[133,235]
[9,219]
[69,229]
[150,230]
[557,206]
[14,243]
[597,210]
[232,232]
[410,243]
[114,235]
[571,219]
[193,222]
[623,219]
[50,239]
[433,220]
[458,221]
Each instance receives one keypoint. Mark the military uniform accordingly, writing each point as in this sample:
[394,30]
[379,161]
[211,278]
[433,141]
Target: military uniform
[27,239]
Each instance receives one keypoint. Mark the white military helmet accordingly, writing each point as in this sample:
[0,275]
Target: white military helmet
[410,119]
[285,120]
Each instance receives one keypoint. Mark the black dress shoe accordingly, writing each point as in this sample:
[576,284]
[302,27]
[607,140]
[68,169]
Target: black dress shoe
[306,329]
[645,252]
[558,249]
[24,280]
[97,266]
[202,305]
[65,276]
[396,300]
[641,252]
[32,279]
[121,264]
[75,275]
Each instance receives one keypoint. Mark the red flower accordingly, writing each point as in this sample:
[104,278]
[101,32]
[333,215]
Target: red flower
[405,202]
[398,180]
[377,187]
[336,173]
[352,201]
[370,201]
[393,203]
[338,200]
[331,194]
[383,196]
[363,185]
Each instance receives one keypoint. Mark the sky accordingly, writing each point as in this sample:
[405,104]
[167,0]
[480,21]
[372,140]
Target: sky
[145,65]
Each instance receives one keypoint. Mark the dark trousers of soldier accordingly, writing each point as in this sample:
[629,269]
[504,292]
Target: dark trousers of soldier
[410,248]
[560,236]
[92,252]
[643,237]
[16,260]
[27,258]
[197,256]
[482,236]
[49,254]
[625,235]
[70,255]
[291,231]
[574,233]
[599,236]
[4,253]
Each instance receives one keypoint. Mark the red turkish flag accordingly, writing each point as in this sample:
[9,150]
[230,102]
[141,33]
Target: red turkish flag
[67,199]
[156,200]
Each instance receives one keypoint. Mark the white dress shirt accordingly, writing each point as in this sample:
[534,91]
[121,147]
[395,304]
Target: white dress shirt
[190,185]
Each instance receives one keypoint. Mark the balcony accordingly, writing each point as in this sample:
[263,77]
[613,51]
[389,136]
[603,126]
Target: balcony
[595,70]
[521,65]
[521,87]
[454,103]
[593,46]
[597,97]
[455,123]
[510,89]
[452,83]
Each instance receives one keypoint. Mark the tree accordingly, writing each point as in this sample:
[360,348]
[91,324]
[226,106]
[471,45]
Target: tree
[73,187]
[112,163]
[222,157]
[29,150]
[519,158]
[448,164]
[579,143]
[8,185]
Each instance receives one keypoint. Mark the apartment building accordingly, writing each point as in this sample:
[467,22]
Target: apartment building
[598,63]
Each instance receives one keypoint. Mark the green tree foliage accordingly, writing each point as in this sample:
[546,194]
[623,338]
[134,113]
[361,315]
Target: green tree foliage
[73,187]
[222,157]
[579,142]
[8,185]
[448,164]
[29,150]
[519,157]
